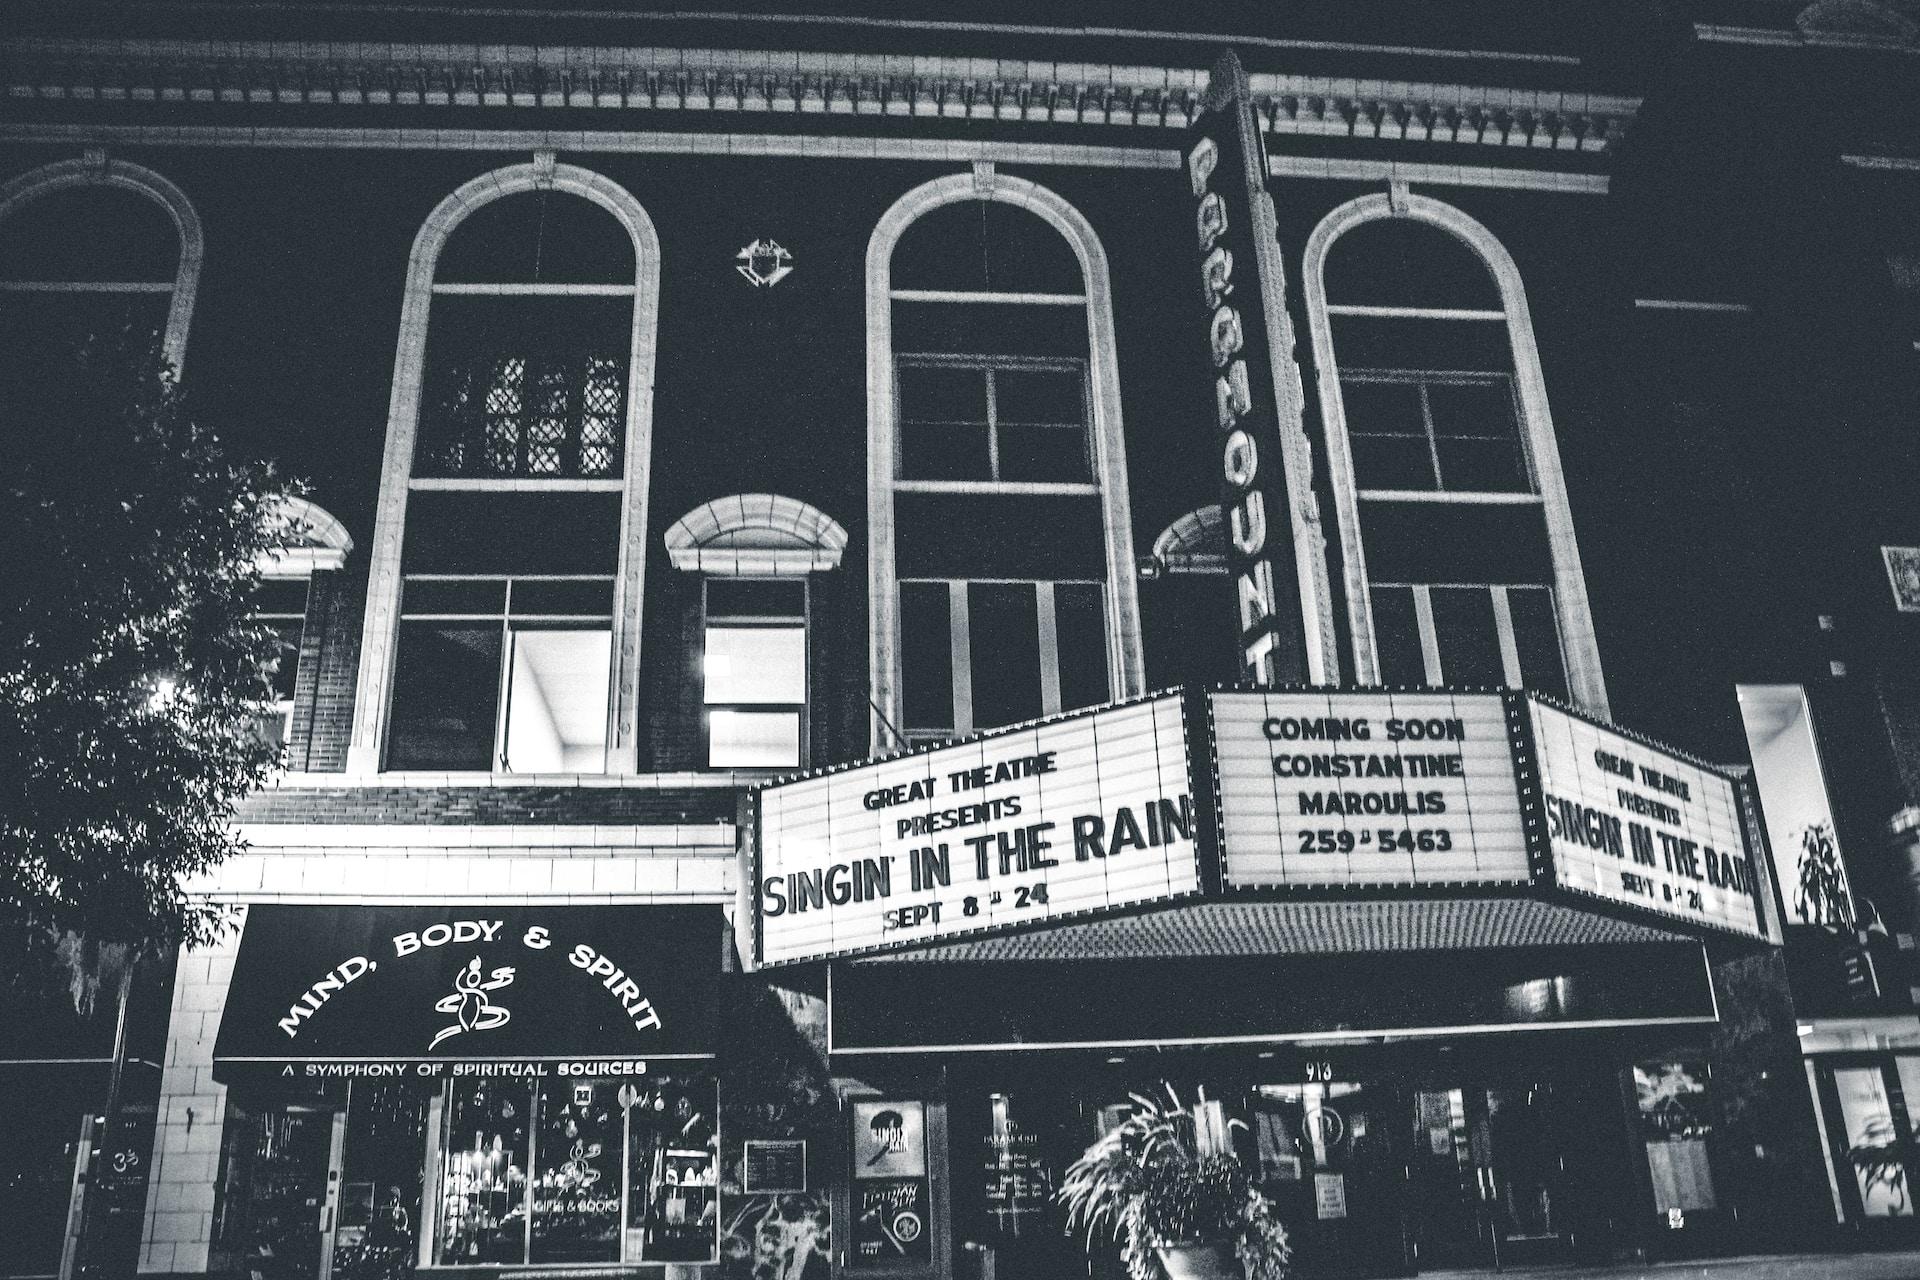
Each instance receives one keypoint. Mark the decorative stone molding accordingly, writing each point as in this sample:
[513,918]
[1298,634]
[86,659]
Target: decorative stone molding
[96,169]
[337,74]
[1195,543]
[325,543]
[761,534]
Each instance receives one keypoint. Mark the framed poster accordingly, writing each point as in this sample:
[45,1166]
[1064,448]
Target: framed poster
[891,1221]
[889,1140]
[768,1166]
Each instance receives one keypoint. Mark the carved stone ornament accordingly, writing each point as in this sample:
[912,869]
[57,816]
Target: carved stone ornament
[763,263]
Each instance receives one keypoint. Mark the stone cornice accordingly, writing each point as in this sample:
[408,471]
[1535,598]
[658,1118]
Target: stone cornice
[426,76]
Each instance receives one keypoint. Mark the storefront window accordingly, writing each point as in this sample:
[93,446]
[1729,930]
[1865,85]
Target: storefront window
[579,1137]
[1873,1142]
[1674,1125]
[483,1174]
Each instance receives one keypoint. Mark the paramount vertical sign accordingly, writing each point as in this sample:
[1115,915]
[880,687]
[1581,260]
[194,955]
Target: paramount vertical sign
[1266,467]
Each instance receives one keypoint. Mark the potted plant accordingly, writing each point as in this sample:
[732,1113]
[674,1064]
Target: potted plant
[1173,1208]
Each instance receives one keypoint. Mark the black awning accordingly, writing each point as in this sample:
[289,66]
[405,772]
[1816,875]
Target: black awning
[1274,971]
[419,992]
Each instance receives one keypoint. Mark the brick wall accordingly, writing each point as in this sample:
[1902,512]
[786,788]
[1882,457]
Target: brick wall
[333,622]
[489,805]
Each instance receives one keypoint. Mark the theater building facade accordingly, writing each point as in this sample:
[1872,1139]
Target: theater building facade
[874,588]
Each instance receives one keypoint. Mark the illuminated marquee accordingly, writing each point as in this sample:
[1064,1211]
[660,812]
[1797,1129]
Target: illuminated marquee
[1050,821]
[1367,789]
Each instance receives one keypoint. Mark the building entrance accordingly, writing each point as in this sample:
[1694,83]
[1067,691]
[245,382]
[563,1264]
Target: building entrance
[1494,1172]
[274,1216]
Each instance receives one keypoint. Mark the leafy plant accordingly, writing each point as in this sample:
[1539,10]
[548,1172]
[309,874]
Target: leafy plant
[1881,1160]
[1146,1184]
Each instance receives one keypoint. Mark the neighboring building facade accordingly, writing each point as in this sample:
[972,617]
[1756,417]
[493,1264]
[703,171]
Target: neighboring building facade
[693,402]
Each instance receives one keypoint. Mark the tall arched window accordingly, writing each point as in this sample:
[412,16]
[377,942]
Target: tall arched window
[1461,565]
[94,248]
[1000,552]
[502,629]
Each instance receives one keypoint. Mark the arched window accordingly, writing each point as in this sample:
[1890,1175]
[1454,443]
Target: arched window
[321,546]
[502,629]
[94,248]
[1461,565]
[755,554]
[999,546]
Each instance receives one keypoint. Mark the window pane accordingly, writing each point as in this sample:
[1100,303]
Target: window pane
[756,598]
[557,701]
[753,739]
[576,1182]
[446,690]
[1383,407]
[944,451]
[1038,395]
[483,1173]
[286,657]
[535,599]
[926,657]
[486,596]
[942,393]
[281,595]
[1080,624]
[1481,466]
[1469,641]
[1477,437]
[756,665]
[1056,454]
[1396,637]
[1537,637]
[1004,634]
[1392,462]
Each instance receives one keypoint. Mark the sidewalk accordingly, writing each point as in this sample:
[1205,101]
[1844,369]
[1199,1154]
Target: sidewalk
[1805,1266]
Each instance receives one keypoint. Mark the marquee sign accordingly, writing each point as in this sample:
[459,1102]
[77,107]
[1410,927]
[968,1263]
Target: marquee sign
[1046,822]
[1639,826]
[391,992]
[1310,791]
[1367,788]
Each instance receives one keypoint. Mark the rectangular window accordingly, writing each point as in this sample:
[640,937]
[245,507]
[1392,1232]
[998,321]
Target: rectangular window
[281,607]
[993,420]
[502,674]
[754,661]
[982,655]
[1431,431]
[1458,634]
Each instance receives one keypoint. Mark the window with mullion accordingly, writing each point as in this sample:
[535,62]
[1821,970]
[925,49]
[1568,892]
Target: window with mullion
[754,664]
[1468,634]
[982,654]
[523,387]
[1438,431]
[993,419]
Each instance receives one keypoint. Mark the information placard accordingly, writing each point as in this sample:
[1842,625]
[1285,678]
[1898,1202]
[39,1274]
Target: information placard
[1367,788]
[1058,819]
[1639,826]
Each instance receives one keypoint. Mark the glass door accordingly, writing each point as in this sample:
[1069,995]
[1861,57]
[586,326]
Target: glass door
[275,1192]
[1490,1176]
[1526,1173]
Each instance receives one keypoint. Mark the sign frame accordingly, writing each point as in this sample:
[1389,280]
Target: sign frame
[754,834]
[1547,877]
[1513,711]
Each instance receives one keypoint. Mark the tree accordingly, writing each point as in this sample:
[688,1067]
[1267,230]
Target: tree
[132,671]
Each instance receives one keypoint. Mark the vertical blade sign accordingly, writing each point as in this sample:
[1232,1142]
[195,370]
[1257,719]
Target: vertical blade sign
[1256,385]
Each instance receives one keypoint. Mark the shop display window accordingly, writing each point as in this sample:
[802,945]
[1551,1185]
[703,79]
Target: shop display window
[566,1170]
